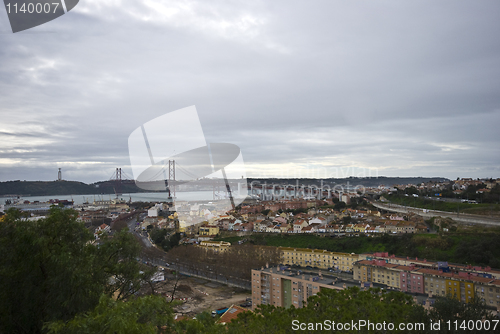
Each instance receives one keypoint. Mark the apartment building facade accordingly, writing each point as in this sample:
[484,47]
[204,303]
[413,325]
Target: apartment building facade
[216,246]
[272,286]
[460,285]
[436,265]
[489,292]
[321,259]
[208,230]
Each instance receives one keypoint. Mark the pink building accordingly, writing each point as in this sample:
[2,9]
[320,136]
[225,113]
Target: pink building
[410,281]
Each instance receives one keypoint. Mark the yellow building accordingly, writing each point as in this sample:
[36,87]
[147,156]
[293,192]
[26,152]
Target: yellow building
[318,258]
[217,246]
[208,230]
[360,227]
[383,273]
[460,289]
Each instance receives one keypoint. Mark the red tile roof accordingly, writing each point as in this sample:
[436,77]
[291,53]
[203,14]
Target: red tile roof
[479,279]
[231,313]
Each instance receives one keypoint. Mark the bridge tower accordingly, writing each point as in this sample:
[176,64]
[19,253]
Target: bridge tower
[171,178]
[118,182]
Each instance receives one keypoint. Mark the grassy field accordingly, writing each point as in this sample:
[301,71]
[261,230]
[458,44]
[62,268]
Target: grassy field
[418,202]
[467,248]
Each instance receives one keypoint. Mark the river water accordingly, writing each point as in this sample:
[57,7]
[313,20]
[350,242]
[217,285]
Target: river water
[135,197]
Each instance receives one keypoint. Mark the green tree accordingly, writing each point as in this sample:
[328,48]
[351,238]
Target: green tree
[137,316]
[344,306]
[52,269]
[340,205]
[451,309]
[158,235]
[44,270]
[117,267]
[203,323]
[346,219]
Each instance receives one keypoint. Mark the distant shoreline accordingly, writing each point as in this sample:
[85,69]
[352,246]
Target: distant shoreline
[60,188]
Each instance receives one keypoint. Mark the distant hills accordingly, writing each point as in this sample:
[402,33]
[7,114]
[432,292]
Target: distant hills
[49,188]
[354,181]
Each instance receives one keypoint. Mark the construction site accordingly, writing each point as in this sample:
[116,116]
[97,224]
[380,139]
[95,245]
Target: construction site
[195,295]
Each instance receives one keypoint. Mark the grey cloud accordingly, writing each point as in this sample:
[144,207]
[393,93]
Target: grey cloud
[377,83]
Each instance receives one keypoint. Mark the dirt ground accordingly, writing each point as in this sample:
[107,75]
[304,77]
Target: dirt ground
[197,295]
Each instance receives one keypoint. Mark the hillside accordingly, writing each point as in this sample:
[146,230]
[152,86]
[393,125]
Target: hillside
[477,248]
[352,181]
[48,188]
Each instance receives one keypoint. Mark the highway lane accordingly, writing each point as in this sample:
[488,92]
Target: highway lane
[460,217]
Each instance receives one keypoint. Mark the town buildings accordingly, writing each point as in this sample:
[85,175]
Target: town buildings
[216,246]
[208,230]
[431,278]
[279,286]
[284,288]
[318,258]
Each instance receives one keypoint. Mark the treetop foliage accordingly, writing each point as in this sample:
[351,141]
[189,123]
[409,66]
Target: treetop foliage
[52,269]
[56,279]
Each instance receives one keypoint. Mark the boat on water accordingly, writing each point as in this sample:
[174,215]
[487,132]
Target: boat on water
[26,205]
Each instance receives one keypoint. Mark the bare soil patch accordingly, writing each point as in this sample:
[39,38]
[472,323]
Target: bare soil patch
[197,295]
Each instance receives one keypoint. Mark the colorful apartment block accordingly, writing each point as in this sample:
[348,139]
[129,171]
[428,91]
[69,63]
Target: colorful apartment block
[463,286]
[321,259]
[272,286]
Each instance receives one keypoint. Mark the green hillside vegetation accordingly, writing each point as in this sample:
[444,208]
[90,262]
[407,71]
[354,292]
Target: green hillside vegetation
[52,188]
[488,200]
[42,188]
[471,248]
[51,271]
[352,180]
[419,202]
[354,306]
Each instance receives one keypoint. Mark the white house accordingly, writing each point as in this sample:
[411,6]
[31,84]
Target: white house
[104,228]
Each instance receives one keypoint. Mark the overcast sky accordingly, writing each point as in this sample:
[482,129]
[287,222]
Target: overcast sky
[304,88]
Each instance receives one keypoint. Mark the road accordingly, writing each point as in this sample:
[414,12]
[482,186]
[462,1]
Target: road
[134,228]
[184,268]
[208,274]
[462,218]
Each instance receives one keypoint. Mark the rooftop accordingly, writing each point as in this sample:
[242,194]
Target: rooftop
[231,313]
[318,277]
